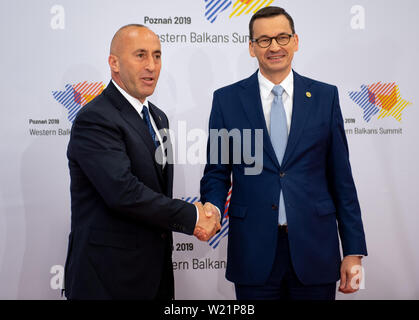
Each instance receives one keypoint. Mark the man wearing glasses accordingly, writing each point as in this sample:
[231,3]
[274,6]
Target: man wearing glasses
[285,222]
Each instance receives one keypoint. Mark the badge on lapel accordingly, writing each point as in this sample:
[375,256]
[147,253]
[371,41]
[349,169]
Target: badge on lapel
[308,94]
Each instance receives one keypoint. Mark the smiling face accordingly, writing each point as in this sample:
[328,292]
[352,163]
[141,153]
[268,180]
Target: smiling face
[274,61]
[135,61]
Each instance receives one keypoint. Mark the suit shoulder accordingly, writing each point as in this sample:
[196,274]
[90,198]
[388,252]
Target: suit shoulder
[231,88]
[99,107]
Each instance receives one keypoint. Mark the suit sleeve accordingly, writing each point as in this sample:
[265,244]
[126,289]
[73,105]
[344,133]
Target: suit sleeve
[217,174]
[97,145]
[342,187]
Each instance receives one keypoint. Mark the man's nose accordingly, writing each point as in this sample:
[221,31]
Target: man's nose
[151,65]
[274,45]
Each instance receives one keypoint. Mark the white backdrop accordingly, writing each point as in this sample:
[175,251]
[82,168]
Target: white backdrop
[368,48]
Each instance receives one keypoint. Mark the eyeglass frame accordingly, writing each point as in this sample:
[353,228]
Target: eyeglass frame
[290,35]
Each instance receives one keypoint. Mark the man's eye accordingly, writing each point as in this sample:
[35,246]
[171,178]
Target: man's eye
[264,40]
[140,55]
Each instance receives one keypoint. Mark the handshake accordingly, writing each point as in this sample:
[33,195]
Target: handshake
[208,222]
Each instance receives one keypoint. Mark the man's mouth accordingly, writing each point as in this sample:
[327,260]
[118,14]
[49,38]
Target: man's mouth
[276,57]
[148,80]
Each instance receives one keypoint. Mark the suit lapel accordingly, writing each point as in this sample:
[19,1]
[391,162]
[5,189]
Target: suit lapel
[156,117]
[161,125]
[130,115]
[134,120]
[302,105]
[252,105]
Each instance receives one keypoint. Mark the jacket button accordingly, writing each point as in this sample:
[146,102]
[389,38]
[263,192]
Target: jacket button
[282,174]
[274,207]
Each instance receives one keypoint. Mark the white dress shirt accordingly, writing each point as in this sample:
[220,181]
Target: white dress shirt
[267,97]
[138,106]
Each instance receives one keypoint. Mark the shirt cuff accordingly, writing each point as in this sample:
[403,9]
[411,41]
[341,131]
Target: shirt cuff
[197,216]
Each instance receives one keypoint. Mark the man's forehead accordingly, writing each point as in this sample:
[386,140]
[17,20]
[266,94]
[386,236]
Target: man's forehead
[129,36]
[142,33]
[144,41]
[276,24]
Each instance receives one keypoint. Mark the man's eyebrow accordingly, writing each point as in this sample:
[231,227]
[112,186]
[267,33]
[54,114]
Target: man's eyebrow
[144,50]
[279,34]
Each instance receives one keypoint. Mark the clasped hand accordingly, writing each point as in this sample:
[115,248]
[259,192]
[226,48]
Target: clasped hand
[208,222]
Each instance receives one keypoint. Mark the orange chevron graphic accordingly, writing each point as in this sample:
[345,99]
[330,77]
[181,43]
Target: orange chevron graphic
[76,96]
[87,91]
[387,96]
[379,98]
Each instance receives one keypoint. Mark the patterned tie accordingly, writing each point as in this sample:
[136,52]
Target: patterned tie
[279,138]
[146,117]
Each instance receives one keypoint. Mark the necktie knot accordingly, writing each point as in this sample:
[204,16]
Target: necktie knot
[277,90]
[145,111]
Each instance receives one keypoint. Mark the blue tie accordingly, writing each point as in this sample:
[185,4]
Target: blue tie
[146,117]
[279,138]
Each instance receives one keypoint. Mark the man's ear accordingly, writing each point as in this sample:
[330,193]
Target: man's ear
[296,42]
[251,51]
[113,63]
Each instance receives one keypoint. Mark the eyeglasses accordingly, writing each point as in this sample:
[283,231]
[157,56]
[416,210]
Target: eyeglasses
[282,39]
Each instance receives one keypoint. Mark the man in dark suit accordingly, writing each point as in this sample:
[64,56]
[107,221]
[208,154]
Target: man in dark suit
[123,214]
[285,222]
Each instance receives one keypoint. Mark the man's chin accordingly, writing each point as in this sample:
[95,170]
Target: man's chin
[278,67]
[275,69]
[146,92]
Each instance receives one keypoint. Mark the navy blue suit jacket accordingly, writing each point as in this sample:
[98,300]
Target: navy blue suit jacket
[315,177]
[122,212]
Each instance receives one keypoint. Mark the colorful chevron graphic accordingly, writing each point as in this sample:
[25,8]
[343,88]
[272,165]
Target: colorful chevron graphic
[213,8]
[380,98]
[77,95]
[216,239]
[246,6]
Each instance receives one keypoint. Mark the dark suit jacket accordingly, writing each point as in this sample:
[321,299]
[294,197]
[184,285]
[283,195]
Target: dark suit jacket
[122,212]
[315,177]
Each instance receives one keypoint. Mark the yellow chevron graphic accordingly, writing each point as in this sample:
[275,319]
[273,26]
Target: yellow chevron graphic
[241,5]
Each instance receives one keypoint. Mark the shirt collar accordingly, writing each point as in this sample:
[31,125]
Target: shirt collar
[266,85]
[133,101]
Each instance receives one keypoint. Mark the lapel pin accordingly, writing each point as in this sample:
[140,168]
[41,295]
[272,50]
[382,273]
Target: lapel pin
[308,94]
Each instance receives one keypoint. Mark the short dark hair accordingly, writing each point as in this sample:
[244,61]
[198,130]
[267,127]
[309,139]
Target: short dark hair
[268,12]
